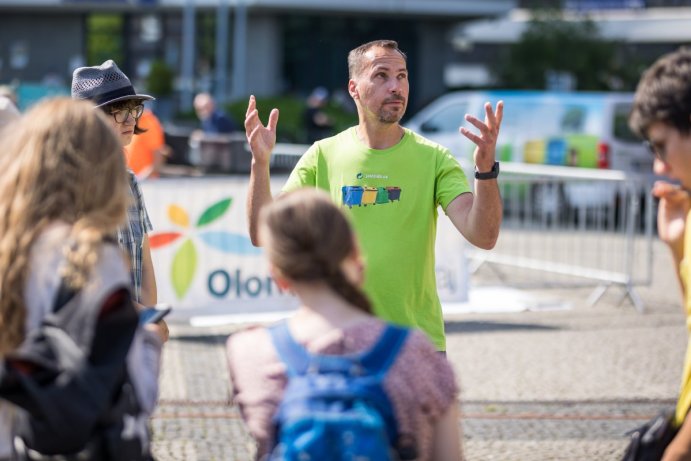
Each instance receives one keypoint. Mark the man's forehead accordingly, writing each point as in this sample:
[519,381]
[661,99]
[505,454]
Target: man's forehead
[384,57]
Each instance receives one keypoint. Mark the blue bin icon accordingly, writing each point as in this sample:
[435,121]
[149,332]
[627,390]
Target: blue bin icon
[352,195]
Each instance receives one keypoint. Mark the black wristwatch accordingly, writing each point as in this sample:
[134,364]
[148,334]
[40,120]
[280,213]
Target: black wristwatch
[492,174]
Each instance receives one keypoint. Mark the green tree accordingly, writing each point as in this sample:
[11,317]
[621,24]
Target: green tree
[160,79]
[104,38]
[551,43]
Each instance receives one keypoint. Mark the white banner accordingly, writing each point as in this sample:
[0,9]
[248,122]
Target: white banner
[205,263]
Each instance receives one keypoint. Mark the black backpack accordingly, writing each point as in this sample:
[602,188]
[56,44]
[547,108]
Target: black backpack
[69,380]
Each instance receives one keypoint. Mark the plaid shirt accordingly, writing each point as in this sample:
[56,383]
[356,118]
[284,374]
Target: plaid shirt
[131,235]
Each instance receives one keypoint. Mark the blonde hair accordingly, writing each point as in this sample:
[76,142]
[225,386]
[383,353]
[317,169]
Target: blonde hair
[62,162]
[307,238]
[664,94]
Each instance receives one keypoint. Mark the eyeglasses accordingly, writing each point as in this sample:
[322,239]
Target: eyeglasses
[655,150]
[121,115]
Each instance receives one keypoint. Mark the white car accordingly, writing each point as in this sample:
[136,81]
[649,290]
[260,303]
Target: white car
[587,130]
[572,129]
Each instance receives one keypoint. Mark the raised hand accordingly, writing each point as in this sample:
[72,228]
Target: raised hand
[261,139]
[671,212]
[486,141]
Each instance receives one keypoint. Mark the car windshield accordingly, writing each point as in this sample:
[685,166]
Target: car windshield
[447,120]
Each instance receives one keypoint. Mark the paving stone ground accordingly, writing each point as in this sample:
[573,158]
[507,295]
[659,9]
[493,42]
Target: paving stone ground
[538,385]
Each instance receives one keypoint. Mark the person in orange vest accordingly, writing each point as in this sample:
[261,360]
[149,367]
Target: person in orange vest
[148,151]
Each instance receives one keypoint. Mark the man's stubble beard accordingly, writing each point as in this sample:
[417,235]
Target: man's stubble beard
[388,116]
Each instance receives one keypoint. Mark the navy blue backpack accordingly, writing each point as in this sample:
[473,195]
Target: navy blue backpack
[334,407]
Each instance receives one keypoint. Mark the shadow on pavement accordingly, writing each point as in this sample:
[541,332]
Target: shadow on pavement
[484,326]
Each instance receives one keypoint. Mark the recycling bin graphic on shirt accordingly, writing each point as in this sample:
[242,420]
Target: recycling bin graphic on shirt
[365,195]
[369,196]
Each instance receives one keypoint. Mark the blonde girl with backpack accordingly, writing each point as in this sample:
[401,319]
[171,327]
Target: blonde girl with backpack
[313,254]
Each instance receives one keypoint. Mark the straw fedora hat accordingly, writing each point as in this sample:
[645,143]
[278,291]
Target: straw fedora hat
[104,84]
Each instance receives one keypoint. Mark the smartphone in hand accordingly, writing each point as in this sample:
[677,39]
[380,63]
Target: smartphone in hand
[154,314]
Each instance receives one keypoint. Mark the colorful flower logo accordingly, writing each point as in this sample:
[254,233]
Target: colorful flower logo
[184,263]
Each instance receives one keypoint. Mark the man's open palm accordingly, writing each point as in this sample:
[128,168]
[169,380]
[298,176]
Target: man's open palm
[261,139]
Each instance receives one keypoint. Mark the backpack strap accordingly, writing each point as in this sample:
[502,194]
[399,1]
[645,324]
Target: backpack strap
[294,356]
[383,354]
[376,360]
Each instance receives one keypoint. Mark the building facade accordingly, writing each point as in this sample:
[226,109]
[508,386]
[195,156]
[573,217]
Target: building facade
[645,29]
[231,47]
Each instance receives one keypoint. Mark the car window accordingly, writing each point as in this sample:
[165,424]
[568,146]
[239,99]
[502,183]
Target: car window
[622,132]
[446,120]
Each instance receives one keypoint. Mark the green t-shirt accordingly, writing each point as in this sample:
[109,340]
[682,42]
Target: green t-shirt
[392,197]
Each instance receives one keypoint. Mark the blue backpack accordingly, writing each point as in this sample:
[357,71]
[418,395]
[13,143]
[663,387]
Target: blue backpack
[334,407]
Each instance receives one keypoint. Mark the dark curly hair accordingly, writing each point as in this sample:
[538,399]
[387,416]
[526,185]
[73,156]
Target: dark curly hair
[664,94]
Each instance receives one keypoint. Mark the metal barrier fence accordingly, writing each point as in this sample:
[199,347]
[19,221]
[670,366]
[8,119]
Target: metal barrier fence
[563,226]
[574,227]
[286,156]
[224,153]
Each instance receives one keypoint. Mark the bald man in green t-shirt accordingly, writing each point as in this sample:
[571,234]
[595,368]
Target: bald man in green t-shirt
[391,180]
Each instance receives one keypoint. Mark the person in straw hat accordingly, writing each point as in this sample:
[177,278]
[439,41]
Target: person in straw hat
[112,92]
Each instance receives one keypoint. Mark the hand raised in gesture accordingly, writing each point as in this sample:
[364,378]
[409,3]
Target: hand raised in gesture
[486,141]
[261,139]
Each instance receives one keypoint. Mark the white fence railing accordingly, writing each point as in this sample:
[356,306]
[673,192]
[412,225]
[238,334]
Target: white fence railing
[574,226]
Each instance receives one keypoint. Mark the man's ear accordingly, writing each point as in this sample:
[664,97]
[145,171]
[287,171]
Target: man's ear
[352,89]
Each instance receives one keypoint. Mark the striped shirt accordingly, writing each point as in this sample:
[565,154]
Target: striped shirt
[131,235]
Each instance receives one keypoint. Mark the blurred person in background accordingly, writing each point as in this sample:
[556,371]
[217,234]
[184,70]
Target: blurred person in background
[148,151]
[314,253]
[661,115]
[407,176]
[210,144]
[112,92]
[213,120]
[316,121]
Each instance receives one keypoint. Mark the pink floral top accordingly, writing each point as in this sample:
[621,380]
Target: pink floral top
[420,384]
